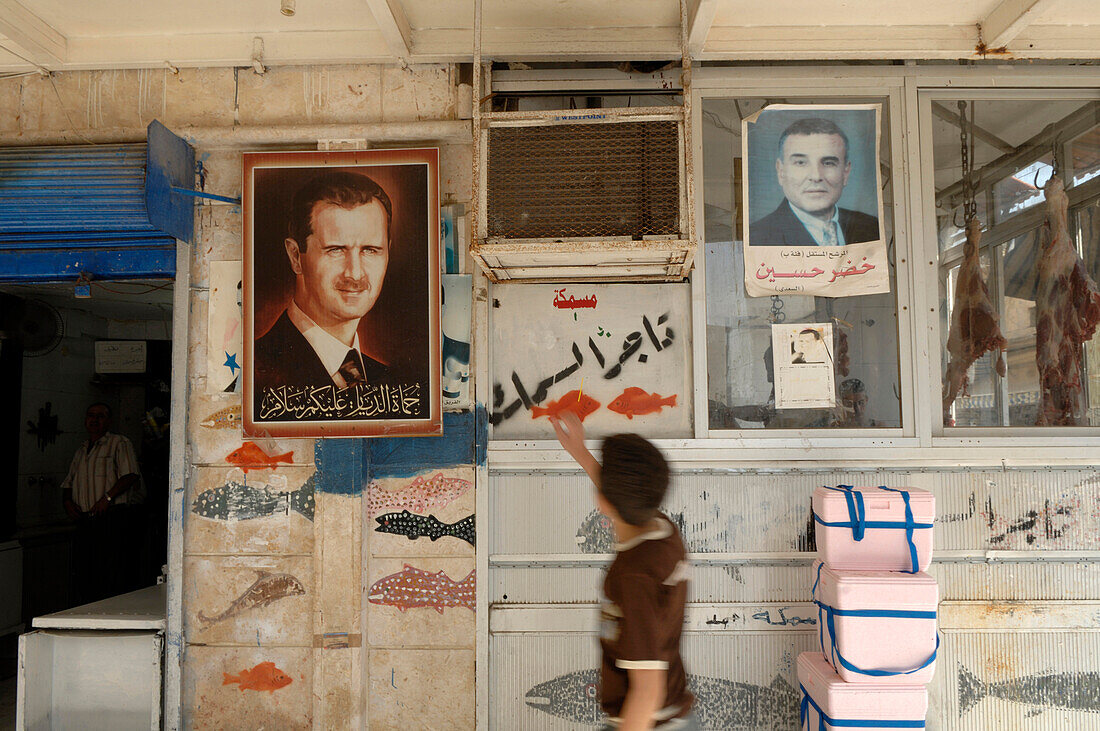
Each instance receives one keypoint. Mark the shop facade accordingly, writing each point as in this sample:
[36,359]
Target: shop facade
[1017,504]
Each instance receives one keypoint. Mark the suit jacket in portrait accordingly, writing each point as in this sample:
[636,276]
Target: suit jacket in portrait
[781,227]
[283,357]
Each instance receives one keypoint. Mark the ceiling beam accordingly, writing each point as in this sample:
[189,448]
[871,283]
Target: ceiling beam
[700,17]
[980,133]
[39,41]
[1008,20]
[394,26]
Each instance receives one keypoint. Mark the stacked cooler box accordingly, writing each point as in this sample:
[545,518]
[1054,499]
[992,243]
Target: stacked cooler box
[876,610]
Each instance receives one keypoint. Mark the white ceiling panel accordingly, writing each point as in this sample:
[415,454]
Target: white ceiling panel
[852,12]
[161,17]
[579,14]
[102,34]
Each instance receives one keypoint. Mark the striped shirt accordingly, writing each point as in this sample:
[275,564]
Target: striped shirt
[95,470]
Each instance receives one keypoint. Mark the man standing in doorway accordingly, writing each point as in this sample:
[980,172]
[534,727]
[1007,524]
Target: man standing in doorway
[103,476]
[338,246]
[813,167]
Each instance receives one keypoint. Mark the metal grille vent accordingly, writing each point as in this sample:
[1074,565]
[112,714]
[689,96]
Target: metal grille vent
[583,180]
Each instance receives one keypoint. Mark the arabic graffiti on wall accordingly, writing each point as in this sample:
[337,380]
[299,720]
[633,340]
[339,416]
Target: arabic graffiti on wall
[614,354]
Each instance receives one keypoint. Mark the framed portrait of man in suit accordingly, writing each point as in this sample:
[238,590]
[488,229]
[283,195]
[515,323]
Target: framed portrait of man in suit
[813,220]
[341,293]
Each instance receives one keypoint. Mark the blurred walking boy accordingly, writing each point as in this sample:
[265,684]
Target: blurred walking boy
[642,679]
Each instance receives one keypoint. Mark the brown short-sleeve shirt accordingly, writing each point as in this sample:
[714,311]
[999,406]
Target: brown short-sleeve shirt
[642,618]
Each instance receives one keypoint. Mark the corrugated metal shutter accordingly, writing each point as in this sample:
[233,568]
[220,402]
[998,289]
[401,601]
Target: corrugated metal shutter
[105,210]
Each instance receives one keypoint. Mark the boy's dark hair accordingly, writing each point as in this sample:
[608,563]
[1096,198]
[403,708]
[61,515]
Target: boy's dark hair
[633,477]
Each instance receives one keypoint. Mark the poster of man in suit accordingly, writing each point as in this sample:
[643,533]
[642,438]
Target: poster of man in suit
[813,201]
[341,293]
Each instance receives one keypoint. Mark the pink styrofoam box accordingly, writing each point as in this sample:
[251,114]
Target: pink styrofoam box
[877,626]
[829,703]
[874,528]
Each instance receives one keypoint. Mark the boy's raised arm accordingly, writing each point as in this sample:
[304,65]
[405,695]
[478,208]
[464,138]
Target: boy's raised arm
[570,433]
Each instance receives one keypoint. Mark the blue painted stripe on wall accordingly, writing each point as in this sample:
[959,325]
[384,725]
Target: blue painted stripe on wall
[462,443]
[339,466]
[346,466]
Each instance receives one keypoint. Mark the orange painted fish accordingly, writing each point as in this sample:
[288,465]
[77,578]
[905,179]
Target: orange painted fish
[637,402]
[248,456]
[264,676]
[574,401]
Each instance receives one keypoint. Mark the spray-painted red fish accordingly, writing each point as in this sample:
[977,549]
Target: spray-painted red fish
[413,587]
[264,676]
[637,402]
[574,401]
[248,456]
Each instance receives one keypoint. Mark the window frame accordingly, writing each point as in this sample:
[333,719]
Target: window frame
[993,89]
[774,83]
[921,441]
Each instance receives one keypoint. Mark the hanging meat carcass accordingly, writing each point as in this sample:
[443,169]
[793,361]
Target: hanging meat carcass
[975,325]
[1067,310]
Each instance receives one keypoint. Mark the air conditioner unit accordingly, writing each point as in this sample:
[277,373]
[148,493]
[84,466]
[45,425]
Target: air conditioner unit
[588,195]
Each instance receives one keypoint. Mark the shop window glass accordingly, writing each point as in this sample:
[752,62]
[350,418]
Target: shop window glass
[1013,160]
[1085,155]
[740,361]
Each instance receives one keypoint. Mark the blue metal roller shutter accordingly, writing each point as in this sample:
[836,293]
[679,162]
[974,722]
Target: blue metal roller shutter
[107,211]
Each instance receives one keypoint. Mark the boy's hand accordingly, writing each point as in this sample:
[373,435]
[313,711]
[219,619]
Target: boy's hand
[570,433]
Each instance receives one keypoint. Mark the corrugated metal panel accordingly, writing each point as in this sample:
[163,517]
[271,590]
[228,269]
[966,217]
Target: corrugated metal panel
[79,188]
[1027,681]
[759,512]
[1028,536]
[105,210]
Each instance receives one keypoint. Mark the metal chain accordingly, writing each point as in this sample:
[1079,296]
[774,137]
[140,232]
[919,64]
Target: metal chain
[777,313]
[970,205]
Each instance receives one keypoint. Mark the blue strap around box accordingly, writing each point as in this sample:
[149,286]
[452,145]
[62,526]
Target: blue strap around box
[822,719]
[857,519]
[828,621]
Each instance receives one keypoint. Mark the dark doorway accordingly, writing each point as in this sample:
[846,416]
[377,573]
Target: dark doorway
[59,354]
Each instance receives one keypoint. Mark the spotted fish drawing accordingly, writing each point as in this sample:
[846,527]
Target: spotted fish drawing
[237,501]
[227,418]
[1078,691]
[266,589]
[720,705]
[415,526]
[413,587]
[418,496]
[597,536]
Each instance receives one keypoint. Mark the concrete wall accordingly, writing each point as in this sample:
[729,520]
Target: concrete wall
[346,663]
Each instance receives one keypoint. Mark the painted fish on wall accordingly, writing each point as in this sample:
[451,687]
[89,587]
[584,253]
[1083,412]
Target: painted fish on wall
[417,496]
[416,526]
[227,418]
[413,587]
[634,401]
[597,536]
[1056,691]
[264,676]
[236,501]
[720,705]
[249,456]
[266,589]
[574,401]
